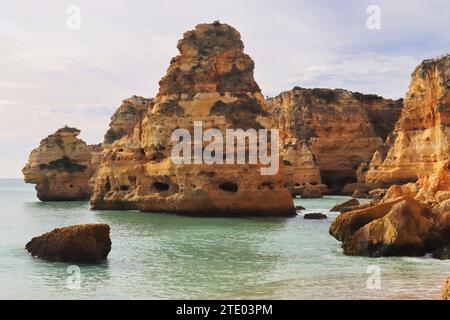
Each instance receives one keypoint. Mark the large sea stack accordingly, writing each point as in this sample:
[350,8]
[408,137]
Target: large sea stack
[61,167]
[210,81]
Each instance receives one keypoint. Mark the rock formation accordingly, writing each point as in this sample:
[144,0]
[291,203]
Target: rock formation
[421,140]
[61,167]
[331,132]
[412,216]
[346,204]
[210,81]
[397,228]
[126,117]
[89,243]
[315,216]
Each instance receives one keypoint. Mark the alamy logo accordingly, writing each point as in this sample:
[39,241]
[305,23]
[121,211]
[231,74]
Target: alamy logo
[229,150]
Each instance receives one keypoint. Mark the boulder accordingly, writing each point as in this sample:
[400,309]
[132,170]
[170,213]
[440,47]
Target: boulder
[315,216]
[400,232]
[88,243]
[349,203]
[349,222]
[299,208]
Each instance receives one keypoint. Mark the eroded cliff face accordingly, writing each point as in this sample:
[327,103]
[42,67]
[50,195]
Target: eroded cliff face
[422,135]
[412,216]
[124,120]
[60,167]
[210,81]
[331,132]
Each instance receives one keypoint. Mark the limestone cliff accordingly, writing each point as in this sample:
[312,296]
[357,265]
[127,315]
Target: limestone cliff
[331,132]
[124,120]
[210,81]
[412,216]
[60,167]
[421,138]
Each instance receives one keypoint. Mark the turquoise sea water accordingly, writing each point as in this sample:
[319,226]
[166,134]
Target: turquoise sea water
[158,256]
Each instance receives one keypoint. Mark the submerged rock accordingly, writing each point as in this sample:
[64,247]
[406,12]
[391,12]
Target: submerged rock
[61,167]
[89,243]
[299,208]
[315,216]
[358,194]
[346,204]
[210,81]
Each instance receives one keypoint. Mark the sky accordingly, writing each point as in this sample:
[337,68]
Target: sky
[53,73]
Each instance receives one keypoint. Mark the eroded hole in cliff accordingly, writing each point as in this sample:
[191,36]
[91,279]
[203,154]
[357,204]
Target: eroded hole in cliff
[266,184]
[229,186]
[124,188]
[161,186]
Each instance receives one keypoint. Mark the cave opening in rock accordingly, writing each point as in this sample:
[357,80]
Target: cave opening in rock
[160,186]
[229,187]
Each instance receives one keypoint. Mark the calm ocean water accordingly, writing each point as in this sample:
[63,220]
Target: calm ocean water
[158,256]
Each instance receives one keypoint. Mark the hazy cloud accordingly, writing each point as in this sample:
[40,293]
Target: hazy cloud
[52,76]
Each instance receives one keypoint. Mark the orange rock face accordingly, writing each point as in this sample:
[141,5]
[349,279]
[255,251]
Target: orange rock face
[414,164]
[211,81]
[422,135]
[400,227]
[330,133]
[89,243]
[61,167]
[126,118]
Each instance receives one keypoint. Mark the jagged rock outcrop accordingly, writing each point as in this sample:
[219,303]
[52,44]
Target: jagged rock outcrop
[346,204]
[331,132]
[411,217]
[88,243]
[421,139]
[401,227]
[210,81]
[126,117]
[61,167]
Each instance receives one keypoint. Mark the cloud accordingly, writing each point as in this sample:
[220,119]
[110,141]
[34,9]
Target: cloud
[52,76]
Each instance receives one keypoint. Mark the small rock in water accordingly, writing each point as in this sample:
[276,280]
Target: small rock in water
[299,208]
[87,243]
[315,216]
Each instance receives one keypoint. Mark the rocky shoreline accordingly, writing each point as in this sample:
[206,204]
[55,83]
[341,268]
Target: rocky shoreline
[394,152]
